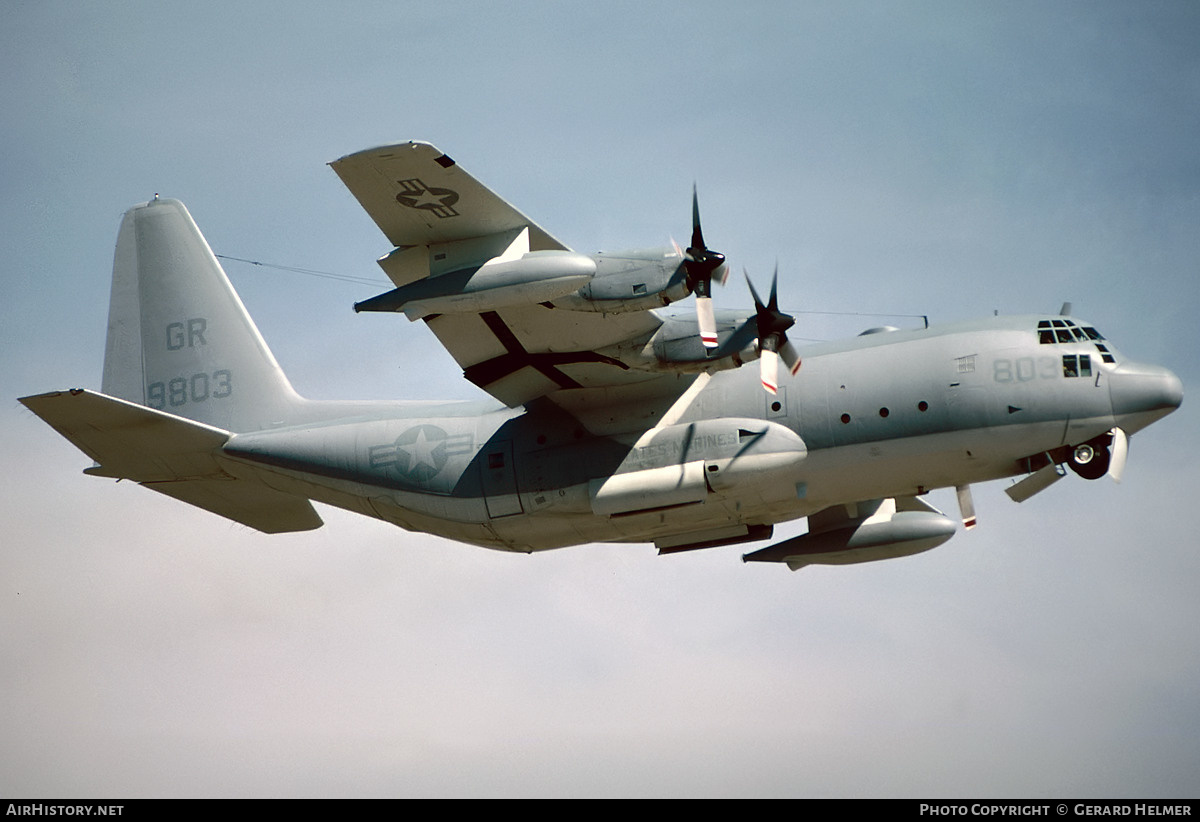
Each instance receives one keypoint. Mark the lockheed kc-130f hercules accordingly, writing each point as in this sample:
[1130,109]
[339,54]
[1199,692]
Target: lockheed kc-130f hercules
[618,420]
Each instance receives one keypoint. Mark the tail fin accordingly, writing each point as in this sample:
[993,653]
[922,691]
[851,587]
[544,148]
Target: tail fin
[179,338]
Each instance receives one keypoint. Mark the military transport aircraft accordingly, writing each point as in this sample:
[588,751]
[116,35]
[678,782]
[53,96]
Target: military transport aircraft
[617,421]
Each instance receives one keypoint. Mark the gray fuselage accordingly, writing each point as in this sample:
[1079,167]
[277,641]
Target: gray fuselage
[887,414]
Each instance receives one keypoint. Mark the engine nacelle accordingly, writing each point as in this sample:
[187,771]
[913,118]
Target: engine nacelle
[630,281]
[676,346]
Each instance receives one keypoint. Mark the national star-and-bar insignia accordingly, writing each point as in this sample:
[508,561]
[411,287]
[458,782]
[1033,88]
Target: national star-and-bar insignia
[415,194]
[419,453]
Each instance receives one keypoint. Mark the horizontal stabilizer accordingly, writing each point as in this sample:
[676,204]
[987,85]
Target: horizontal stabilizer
[262,508]
[167,454]
[130,441]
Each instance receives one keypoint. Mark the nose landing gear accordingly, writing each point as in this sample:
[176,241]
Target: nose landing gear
[1105,454]
[1095,458]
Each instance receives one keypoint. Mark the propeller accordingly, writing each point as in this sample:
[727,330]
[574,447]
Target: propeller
[772,335]
[702,264]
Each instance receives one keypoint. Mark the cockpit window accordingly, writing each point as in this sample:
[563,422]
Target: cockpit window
[1055,332]
[1077,365]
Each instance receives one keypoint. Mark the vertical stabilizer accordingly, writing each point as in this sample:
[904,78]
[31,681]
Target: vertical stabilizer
[179,338]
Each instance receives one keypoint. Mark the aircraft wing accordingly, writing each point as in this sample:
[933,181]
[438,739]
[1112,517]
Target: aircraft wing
[417,196]
[497,289]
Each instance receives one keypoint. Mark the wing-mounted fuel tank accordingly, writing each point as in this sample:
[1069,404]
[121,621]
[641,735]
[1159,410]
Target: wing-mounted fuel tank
[862,532]
[478,274]
[502,270]
[534,277]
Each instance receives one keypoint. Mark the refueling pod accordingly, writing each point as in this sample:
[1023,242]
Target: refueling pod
[879,529]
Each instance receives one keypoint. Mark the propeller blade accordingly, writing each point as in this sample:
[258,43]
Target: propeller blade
[744,336]
[1120,452]
[697,234]
[702,265]
[769,370]
[791,357]
[966,505]
[758,303]
[708,322]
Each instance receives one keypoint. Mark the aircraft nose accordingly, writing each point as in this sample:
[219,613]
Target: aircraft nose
[1143,393]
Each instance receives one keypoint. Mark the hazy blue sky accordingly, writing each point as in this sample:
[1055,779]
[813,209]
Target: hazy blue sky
[940,158]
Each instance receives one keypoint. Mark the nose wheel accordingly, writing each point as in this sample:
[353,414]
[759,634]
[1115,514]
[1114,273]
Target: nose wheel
[1091,460]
